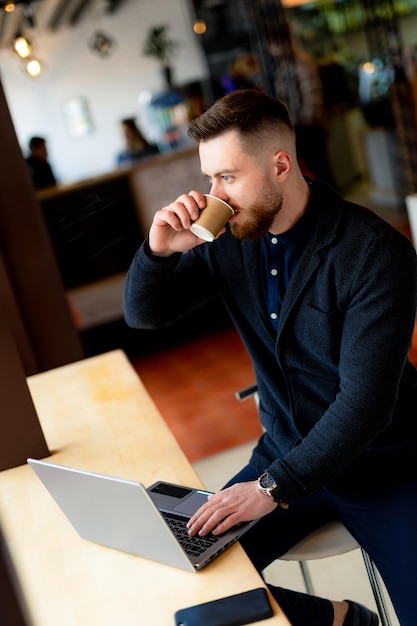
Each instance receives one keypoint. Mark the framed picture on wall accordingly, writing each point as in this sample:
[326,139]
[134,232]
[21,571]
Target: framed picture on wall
[77,117]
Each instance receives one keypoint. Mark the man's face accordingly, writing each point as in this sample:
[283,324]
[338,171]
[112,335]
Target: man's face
[247,182]
[41,152]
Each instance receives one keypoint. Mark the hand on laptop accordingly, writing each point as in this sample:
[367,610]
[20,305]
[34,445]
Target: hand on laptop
[242,502]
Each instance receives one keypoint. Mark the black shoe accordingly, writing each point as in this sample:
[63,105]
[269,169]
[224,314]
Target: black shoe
[359,615]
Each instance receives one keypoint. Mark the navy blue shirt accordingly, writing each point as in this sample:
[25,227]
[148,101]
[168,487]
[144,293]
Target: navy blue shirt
[280,255]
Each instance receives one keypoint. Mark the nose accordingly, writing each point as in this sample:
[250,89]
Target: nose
[217,190]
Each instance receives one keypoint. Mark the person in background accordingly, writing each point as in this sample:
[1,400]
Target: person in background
[299,84]
[244,72]
[136,146]
[39,167]
[323,293]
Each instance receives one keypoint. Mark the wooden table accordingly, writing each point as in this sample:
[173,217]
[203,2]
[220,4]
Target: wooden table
[96,415]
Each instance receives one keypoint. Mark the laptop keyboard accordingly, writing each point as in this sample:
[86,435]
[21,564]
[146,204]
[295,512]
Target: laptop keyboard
[194,546]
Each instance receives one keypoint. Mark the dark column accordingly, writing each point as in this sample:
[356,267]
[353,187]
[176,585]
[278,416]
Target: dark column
[34,298]
[20,432]
[36,329]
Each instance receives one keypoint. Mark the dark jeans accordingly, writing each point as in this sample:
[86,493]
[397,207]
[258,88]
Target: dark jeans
[303,610]
[385,525]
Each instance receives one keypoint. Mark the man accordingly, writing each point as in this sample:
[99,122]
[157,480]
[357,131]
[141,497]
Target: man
[323,294]
[39,167]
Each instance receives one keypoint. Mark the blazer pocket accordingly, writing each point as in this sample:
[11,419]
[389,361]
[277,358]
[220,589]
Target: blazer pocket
[321,333]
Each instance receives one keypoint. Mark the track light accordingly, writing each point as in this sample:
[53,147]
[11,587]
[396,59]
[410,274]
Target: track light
[34,68]
[22,46]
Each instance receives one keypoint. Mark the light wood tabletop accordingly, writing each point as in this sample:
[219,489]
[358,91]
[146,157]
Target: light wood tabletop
[96,415]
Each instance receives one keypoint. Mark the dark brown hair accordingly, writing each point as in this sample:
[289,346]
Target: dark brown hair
[36,142]
[249,111]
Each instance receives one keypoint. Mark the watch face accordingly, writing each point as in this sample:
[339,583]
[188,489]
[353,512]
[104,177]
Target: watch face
[267,482]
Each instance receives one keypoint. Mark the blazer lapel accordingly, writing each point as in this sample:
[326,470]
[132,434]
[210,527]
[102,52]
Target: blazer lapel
[251,251]
[323,236]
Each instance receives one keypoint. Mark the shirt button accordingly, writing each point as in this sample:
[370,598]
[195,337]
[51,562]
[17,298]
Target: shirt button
[274,240]
[274,272]
[274,316]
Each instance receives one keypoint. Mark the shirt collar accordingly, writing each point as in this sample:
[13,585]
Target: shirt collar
[291,235]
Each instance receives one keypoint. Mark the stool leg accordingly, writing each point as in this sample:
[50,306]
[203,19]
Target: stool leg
[306,577]
[376,588]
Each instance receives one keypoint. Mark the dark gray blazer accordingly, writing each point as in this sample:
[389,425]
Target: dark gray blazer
[338,396]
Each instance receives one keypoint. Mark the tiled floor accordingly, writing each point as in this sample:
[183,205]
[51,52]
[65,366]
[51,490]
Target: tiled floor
[194,385]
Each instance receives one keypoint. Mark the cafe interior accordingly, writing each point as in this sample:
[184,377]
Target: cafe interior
[71,71]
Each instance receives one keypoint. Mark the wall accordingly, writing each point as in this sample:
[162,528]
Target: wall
[110,85]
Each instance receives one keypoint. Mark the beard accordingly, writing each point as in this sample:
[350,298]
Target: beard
[260,217]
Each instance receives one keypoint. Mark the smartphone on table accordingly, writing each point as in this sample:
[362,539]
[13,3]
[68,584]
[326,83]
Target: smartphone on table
[242,608]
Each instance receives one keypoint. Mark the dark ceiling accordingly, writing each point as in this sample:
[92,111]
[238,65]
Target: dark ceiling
[48,15]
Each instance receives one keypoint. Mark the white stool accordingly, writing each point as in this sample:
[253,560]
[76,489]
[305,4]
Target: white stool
[331,539]
[334,539]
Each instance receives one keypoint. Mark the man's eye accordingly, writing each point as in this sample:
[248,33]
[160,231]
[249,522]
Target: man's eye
[226,178]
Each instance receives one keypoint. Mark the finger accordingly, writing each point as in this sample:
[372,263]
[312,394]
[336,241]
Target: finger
[206,523]
[179,214]
[213,500]
[229,522]
[199,519]
[213,516]
[199,198]
[221,521]
[191,203]
[166,217]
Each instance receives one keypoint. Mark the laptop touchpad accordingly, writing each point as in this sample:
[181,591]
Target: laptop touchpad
[190,505]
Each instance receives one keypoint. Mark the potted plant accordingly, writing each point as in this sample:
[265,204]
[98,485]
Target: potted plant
[159,46]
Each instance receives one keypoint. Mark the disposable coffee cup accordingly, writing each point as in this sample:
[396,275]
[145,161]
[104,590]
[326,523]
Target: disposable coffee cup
[212,219]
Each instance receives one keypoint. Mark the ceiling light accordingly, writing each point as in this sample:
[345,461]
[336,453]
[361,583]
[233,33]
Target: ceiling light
[10,7]
[199,27]
[22,46]
[34,68]
[368,67]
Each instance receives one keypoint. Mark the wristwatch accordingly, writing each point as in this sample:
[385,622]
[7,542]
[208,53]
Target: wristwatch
[267,485]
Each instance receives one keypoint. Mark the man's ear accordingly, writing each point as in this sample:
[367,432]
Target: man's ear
[283,165]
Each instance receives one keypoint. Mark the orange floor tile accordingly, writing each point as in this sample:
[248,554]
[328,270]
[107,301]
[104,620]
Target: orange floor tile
[193,386]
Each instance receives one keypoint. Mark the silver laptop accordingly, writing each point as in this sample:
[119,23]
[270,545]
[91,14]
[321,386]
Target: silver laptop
[122,514]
